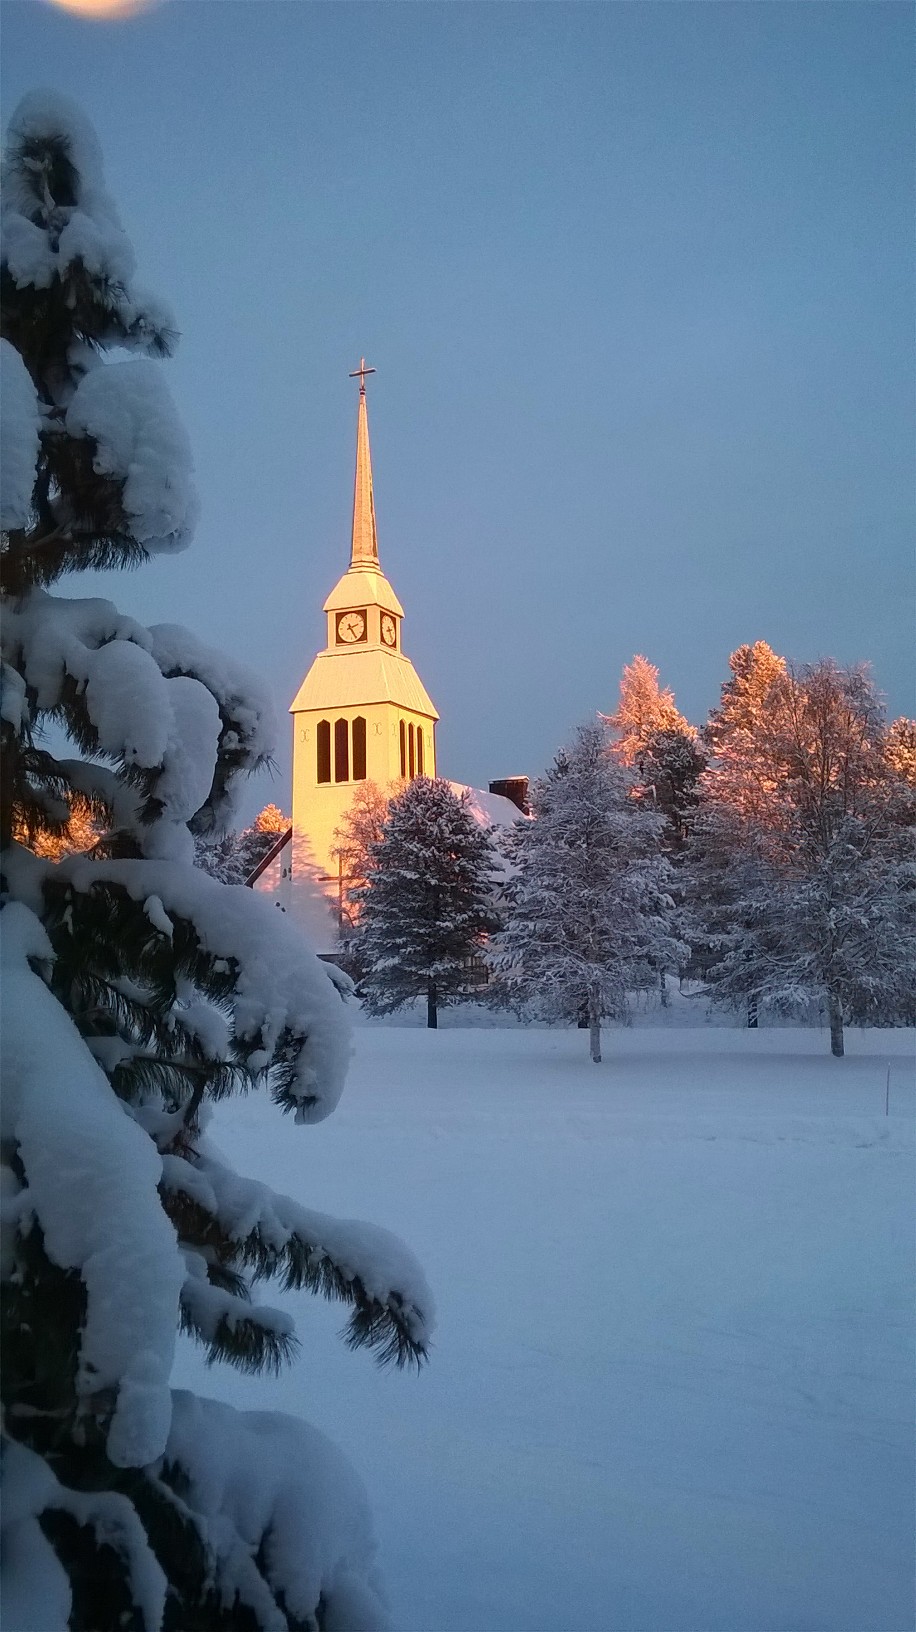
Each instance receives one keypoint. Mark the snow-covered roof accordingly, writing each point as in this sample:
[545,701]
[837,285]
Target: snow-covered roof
[489,809]
[363,586]
[349,679]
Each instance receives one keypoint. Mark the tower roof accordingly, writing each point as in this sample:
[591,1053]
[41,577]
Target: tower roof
[351,679]
[364,536]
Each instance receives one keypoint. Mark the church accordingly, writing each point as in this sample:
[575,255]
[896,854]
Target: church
[362,714]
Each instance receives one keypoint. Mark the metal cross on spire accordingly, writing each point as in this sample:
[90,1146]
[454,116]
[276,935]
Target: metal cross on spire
[360,374]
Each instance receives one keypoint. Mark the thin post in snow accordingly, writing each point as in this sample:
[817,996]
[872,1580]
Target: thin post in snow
[887,1093]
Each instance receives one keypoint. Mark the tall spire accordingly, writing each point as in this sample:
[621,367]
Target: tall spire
[364,540]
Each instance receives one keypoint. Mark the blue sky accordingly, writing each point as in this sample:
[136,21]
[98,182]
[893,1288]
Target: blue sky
[636,279]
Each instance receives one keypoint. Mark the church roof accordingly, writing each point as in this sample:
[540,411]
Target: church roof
[363,587]
[353,679]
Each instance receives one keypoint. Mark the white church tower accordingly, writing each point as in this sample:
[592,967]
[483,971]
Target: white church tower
[362,712]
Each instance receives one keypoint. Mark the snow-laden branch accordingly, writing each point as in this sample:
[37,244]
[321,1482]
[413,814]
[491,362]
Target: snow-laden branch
[357,1263]
[127,409]
[272,1489]
[92,1180]
[36,1591]
[250,1336]
[157,700]
[286,1010]
[45,239]
[249,726]
[21,421]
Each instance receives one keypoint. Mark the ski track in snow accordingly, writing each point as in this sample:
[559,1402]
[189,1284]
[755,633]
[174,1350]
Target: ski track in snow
[671,1387]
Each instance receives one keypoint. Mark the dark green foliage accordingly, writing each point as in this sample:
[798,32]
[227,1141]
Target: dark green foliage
[426,909]
[153,1005]
[99,1581]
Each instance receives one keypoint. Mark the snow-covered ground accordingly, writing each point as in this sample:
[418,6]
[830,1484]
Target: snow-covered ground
[672,1383]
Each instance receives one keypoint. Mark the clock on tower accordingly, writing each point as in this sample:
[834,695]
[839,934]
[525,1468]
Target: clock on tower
[351,627]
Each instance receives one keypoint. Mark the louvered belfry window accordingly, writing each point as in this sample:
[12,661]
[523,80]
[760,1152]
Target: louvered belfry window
[341,750]
[359,749]
[323,735]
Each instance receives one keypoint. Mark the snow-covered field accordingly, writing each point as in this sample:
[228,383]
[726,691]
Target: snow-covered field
[672,1383]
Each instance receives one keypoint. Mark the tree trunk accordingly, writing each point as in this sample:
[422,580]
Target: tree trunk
[835,1011]
[752,1013]
[594,1040]
[432,1014]
[663,988]
[594,1030]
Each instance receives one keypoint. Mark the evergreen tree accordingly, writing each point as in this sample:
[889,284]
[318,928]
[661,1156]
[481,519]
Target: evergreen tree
[803,864]
[590,916]
[426,908]
[136,992]
[669,768]
[644,710]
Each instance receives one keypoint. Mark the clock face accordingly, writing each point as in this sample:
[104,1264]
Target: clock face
[351,626]
[389,630]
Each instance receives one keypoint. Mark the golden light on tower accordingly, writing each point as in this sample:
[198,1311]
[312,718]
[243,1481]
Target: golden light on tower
[104,10]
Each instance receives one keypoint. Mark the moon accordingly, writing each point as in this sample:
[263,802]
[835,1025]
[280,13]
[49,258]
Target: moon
[104,10]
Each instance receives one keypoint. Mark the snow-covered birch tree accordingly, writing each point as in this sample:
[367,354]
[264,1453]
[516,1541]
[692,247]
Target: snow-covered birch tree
[137,991]
[663,750]
[360,828]
[803,872]
[426,909]
[589,916]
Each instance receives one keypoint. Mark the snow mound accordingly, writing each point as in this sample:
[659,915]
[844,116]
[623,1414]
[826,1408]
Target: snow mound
[274,1488]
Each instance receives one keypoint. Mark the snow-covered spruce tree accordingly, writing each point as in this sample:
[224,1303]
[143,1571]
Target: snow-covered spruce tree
[590,916]
[803,864]
[136,992]
[427,906]
[669,767]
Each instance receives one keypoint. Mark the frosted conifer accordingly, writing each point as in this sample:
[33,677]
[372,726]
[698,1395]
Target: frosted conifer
[427,906]
[590,916]
[136,992]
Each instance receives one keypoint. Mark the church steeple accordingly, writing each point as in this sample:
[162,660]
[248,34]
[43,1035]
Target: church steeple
[364,538]
[362,713]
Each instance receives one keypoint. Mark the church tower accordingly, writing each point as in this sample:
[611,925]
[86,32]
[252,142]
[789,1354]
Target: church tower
[362,712]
